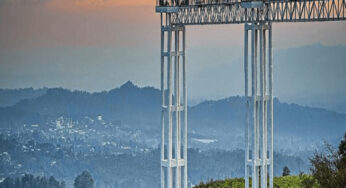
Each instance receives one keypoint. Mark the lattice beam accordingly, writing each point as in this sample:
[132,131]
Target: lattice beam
[257,11]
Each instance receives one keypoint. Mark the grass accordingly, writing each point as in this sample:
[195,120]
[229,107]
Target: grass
[301,181]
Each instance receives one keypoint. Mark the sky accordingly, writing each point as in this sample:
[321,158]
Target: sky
[97,45]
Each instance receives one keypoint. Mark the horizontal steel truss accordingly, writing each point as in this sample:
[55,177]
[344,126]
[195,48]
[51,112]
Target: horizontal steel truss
[174,108]
[274,11]
[259,104]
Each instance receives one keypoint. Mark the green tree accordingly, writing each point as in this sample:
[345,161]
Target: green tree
[307,181]
[29,181]
[286,171]
[84,180]
[329,168]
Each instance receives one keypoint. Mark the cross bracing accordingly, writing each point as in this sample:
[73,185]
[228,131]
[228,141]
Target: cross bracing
[237,12]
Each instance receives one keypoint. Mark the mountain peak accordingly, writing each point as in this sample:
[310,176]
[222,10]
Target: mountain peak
[128,85]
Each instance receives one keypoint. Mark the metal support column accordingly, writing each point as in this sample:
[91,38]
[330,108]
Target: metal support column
[271,110]
[258,127]
[173,86]
[247,126]
[185,109]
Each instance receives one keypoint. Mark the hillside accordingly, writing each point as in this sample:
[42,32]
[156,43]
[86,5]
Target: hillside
[128,103]
[220,120]
[115,131]
[9,97]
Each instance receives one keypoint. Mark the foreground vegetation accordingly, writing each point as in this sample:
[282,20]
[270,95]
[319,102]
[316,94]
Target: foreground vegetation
[301,181]
[328,171]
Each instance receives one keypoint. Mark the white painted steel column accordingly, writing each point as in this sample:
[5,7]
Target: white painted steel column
[257,128]
[172,162]
[169,108]
[177,111]
[257,123]
[163,104]
[262,110]
[185,109]
[261,64]
[247,124]
[265,115]
[271,109]
[254,98]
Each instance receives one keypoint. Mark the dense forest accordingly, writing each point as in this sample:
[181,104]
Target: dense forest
[84,180]
[29,181]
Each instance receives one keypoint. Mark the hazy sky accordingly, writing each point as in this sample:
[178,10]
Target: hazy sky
[97,45]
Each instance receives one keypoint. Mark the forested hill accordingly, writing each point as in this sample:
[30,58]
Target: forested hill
[9,97]
[128,103]
[67,132]
[140,108]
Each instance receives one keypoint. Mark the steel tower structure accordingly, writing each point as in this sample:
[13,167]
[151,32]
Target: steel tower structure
[257,16]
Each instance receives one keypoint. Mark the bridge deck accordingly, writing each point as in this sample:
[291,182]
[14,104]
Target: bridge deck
[199,12]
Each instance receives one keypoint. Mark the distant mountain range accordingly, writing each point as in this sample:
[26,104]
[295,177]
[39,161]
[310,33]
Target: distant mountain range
[113,132]
[9,97]
[128,103]
[136,107]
